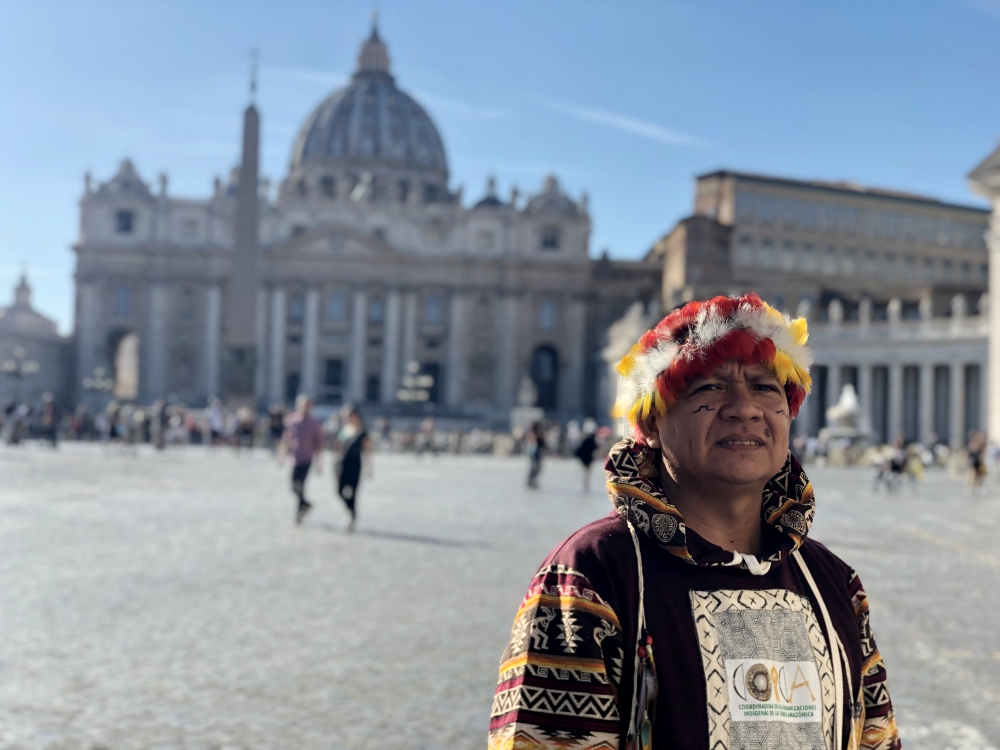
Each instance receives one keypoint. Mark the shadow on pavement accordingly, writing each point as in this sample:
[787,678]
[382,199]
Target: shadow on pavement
[394,536]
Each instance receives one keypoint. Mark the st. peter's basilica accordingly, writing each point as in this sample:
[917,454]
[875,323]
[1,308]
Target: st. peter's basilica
[364,269]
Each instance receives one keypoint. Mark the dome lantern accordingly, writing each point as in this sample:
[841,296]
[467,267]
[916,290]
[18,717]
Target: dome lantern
[374,57]
[371,125]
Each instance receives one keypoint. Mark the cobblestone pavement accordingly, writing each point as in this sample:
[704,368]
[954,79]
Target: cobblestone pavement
[167,600]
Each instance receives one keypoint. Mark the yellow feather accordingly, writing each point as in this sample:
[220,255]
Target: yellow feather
[805,380]
[784,368]
[626,363]
[800,331]
[657,403]
[633,413]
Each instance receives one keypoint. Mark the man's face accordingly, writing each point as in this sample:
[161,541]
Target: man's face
[731,427]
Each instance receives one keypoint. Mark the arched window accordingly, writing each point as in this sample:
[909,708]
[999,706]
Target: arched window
[545,374]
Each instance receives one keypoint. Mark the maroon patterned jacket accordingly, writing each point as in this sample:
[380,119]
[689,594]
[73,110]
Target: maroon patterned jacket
[741,659]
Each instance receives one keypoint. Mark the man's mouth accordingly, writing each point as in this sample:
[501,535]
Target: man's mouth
[749,441]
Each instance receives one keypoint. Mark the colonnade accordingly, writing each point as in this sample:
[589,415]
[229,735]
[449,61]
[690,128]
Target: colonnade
[929,400]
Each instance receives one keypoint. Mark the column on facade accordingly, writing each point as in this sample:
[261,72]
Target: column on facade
[507,366]
[359,335]
[804,422]
[86,332]
[455,372]
[213,334]
[833,386]
[276,355]
[571,399]
[865,400]
[895,401]
[310,342]
[390,346]
[155,377]
[260,340]
[984,396]
[926,402]
[991,392]
[956,403]
[409,327]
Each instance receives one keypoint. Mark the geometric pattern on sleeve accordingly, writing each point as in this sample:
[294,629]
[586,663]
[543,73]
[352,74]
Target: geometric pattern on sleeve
[559,675]
[879,730]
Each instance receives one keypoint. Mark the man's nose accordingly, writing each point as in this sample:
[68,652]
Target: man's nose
[740,405]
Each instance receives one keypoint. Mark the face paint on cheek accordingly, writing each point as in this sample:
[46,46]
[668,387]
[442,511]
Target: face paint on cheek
[703,407]
[782,412]
[767,432]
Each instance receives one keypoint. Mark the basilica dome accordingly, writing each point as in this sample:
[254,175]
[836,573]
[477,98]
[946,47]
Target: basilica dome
[371,123]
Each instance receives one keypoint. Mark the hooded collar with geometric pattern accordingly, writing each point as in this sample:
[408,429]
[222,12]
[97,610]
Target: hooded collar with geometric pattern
[633,479]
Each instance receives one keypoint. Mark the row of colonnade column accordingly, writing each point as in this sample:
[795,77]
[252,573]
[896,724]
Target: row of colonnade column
[895,406]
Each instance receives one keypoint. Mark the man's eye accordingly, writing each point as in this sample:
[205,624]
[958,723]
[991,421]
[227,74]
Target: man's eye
[708,387]
[766,387]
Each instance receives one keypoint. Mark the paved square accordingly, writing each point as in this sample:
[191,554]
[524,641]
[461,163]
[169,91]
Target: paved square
[167,601]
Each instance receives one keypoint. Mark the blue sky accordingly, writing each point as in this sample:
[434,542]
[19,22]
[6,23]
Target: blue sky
[626,100]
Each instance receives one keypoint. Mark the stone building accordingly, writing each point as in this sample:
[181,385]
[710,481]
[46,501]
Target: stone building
[363,266]
[985,180]
[923,379]
[893,285]
[34,358]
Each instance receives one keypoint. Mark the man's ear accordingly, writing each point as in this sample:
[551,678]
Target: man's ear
[647,426]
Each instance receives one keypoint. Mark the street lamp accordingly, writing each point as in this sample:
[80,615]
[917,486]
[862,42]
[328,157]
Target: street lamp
[18,366]
[98,382]
[416,387]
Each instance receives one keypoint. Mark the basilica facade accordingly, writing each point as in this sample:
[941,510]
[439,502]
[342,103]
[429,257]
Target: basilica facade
[364,269]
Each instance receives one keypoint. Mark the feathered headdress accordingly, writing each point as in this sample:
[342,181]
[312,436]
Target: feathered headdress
[691,342]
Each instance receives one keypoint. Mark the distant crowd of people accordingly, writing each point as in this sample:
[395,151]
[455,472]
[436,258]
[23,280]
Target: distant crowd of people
[164,423]
[905,461]
[299,436]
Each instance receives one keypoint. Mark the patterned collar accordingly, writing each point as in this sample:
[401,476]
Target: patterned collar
[632,470]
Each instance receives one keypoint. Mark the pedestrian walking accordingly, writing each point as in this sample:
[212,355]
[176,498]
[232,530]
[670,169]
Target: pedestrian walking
[303,442]
[976,474]
[585,451]
[698,614]
[216,422]
[49,420]
[275,426]
[536,450]
[355,447]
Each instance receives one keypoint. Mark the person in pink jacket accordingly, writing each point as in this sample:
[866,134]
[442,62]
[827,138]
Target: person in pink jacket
[303,442]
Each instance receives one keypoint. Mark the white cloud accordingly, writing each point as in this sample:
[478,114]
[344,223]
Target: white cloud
[628,124]
[202,148]
[986,7]
[324,77]
[520,169]
[280,129]
[461,108]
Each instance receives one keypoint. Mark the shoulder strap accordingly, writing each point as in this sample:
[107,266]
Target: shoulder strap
[644,685]
[838,655]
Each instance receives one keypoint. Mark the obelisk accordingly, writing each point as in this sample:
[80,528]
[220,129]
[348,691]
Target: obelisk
[239,337]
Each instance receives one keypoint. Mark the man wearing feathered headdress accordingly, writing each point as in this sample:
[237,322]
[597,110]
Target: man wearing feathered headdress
[698,614]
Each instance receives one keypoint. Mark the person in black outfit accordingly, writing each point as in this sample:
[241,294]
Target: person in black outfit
[355,442]
[536,451]
[585,452]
